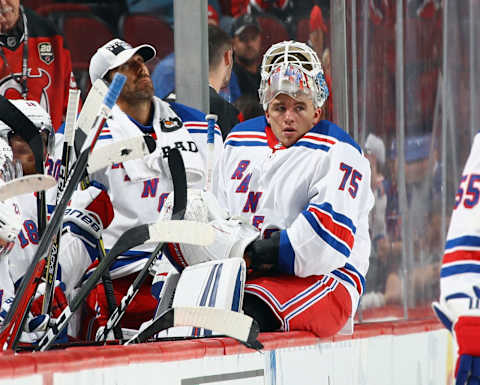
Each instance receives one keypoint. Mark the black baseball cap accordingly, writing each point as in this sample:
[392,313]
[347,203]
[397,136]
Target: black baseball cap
[242,22]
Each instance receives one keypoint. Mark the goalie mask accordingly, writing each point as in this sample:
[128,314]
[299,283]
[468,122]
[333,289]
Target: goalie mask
[39,117]
[10,224]
[293,69]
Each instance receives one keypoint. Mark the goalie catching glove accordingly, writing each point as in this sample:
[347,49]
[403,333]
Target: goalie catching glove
[461,316]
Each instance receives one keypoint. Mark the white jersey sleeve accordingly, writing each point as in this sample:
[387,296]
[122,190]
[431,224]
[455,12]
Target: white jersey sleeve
[332,230]
[461,260]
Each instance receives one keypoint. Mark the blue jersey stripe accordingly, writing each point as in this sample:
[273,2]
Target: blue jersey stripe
[312,146]
[336,216]
[202,131]
[467,240]
[326,236]
[351,268]
[448,271]
[325,127]
[286,254]
[344,277]
[246,143]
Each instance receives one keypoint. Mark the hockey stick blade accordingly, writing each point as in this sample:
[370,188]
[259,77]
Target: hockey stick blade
[91,109]
[232,324]
[180,231]
[25,185]
[120,151]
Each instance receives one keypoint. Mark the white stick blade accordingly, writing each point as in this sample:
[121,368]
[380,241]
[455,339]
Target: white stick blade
[117,152]
[71,116]
[26,184]
[91,107]
[220,321]
[194,233]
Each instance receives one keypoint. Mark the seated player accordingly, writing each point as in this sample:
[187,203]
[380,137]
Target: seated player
[299,190]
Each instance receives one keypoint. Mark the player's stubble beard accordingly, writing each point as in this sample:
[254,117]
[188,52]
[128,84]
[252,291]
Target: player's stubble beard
[141,92]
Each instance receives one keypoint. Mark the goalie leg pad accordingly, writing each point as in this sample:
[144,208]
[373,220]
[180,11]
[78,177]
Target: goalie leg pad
[217,284]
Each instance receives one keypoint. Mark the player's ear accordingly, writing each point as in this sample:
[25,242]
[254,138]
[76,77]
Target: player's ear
[228,57]
[317,116]
[267,115]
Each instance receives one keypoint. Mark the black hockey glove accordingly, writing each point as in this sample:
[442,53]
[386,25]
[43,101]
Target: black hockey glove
[263,253]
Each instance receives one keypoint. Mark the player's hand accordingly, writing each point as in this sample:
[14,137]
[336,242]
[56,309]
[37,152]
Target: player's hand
[90,210]
[467,333]
[465,326]
[262,254]
[59,300]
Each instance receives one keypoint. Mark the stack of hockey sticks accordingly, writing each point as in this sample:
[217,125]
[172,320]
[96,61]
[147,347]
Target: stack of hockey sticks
[229,323]
[13,323]
[164,231]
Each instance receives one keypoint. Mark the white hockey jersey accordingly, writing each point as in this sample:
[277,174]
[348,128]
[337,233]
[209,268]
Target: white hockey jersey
[461,260]
[317,192]
[28,238]
[139,187]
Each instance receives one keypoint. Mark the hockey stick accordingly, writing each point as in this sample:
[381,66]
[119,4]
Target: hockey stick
[25,185]
[211,119]
[230,323]
[121,151]
[110,154]
[179,178]
[24,127]
[91,109]
[13,321]
[52,259]
[185,231]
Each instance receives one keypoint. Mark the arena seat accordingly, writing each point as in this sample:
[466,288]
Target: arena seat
[84,34]
[303,30]
[141,28]
[35,4]
[273,31]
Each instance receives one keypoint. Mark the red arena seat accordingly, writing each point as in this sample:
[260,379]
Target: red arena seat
[143,28]
[273,31]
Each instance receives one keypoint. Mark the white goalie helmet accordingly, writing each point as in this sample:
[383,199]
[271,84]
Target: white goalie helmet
[39,117]
[10,223]
[294,69]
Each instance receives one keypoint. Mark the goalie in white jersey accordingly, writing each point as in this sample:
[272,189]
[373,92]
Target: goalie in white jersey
[304,184]
[459,305]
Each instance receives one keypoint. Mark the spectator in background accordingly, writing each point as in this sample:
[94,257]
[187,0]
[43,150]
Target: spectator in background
[35,64]
[249,107]
[318,31]
[247,42]
[163,75]
[220,59]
